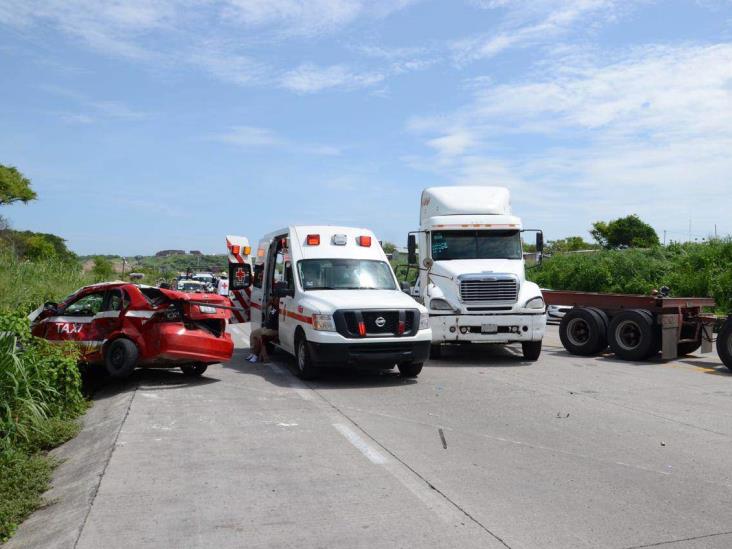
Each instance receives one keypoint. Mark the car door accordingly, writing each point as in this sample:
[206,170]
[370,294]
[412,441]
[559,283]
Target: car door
[109,319]
[288,309]
[74,322]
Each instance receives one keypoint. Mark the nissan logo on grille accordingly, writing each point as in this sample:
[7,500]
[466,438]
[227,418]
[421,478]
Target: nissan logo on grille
[380,322]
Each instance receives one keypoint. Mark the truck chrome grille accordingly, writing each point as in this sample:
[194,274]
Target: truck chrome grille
[504,290]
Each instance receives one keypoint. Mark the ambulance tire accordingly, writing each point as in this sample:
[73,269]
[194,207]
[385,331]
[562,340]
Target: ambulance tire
[120,358]
[436,350]
[306,368]
[410,369]
[195,369]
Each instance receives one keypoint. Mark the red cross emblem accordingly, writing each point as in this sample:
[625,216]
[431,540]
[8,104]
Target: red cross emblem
[240,274]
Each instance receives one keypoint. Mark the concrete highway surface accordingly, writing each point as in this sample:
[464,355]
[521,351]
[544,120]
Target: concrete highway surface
[482,450]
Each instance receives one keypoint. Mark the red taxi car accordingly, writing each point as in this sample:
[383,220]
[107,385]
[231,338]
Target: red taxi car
[123,325]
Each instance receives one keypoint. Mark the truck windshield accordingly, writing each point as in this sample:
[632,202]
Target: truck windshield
[448,245]
[345,274]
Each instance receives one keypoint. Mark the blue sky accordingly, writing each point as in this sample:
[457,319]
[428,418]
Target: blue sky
[152,124]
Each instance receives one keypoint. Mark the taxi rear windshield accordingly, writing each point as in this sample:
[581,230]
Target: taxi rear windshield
[345,274]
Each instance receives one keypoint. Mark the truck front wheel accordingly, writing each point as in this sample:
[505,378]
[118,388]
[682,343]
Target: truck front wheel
[724,343]
[531,350]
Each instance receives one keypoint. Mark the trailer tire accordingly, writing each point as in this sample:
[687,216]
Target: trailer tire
[583,331]
[724,343]
[687,348]
[120,358]
[656,331]
[531,350]
[306,368]
[631,335]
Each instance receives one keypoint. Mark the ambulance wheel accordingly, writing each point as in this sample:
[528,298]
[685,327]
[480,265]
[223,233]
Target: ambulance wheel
[436,350]
[531,350]
[120,358]
[196,369]
[410,369]
[306,369]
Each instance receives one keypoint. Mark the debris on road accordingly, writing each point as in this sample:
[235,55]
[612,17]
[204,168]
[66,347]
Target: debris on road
[442,437]
[560,415]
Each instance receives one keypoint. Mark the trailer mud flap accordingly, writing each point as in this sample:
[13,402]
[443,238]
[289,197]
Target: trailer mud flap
[670,327]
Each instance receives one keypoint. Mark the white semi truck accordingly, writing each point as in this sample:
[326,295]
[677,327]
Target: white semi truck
[469,256]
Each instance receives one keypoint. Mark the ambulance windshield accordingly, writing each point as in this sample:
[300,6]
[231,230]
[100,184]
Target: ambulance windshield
[345,274]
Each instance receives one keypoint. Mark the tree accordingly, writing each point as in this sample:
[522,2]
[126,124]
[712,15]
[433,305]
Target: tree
[628,231]
[388,247]
[102,268]
[569,244]
[14,186]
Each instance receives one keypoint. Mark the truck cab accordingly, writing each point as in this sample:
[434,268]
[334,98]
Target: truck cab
[339,301]
[472,275]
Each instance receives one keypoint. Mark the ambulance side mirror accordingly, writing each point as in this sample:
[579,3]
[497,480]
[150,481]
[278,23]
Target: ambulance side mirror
[412,249]
[406,288]
[283,291]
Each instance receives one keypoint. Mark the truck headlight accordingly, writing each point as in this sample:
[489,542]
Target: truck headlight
[438,304]
[535,303]
[324,323]
[424,321]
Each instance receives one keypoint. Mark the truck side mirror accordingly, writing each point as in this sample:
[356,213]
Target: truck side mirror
[406,288]
[539,242]
[412,249]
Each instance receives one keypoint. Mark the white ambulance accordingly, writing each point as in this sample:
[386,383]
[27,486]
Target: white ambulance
[339,301]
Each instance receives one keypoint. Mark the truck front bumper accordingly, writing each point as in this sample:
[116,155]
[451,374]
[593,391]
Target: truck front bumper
[509,328]
[369,355]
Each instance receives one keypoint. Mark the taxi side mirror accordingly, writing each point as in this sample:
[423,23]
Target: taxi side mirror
[50,306]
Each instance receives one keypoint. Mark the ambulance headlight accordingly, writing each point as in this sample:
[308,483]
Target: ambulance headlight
[535,303]
[424,321]
[438,304]
[324,323]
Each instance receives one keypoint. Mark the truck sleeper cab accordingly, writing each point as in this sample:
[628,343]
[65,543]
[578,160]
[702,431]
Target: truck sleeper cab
[471,270]
[339,301]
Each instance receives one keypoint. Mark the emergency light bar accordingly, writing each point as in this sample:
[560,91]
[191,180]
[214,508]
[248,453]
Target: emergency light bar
[235,250]
[364,241]
[313,240]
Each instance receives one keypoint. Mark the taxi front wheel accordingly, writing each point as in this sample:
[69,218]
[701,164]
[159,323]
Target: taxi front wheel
[120,358]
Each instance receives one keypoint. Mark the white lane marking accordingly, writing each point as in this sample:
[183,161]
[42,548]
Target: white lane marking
[373,455]
[298,386]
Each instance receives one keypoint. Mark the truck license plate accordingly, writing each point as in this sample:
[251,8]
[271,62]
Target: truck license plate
[489,328]
[207,310]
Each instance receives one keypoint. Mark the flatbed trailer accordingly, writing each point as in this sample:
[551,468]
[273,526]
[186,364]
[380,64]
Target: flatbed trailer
[637,327]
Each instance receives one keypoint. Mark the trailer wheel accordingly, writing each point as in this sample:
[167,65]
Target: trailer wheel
[631,335]
[531,350]
[582,331]
[656,331]
[688,347]
[724,343]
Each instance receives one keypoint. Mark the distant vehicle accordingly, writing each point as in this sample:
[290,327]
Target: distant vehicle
[472,279]
[557,312]
[208,279]
[340,303]
[193,286]
[122,326]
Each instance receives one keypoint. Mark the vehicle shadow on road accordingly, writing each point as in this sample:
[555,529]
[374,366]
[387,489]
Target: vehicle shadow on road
[97,385]
[281,372]
[489,356]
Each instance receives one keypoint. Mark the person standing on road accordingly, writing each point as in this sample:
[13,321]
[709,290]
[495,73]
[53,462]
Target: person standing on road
[268,332]
[222,288]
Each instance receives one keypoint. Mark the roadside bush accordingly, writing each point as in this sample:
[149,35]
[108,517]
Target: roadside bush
[691,269]
[40,398]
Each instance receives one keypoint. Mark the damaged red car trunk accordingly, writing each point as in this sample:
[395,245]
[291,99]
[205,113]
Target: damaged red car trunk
[123,326]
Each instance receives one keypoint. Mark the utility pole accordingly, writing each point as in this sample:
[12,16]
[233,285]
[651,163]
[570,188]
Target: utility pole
[664,237]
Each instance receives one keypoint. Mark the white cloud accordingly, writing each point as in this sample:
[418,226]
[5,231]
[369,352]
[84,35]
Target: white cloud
[648,132]
[310,78]
[452,144]
[533,22]
[252,137]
